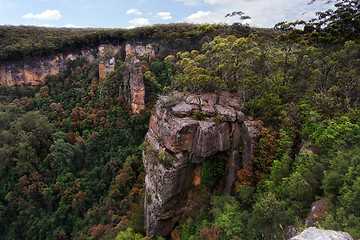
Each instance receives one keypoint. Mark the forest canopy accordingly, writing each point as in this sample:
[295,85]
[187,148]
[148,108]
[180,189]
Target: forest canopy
[71,151]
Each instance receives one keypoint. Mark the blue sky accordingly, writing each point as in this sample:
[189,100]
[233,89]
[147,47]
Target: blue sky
[133,13]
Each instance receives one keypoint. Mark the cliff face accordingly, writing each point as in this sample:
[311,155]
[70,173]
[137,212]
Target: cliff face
[185,131]
[106,55]
[33,72]
[134,74]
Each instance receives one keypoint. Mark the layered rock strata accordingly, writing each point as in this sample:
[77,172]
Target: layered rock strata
[32,72]
[185,130]
[134,79]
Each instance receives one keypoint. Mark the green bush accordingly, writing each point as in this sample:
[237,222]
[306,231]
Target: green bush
[211,171]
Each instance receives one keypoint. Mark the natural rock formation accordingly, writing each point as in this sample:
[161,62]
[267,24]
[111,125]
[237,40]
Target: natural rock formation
[184,132]
[140,50]
[107,59]
[134,77]
[33,72]
[316,217]
[318,212]
[319,234]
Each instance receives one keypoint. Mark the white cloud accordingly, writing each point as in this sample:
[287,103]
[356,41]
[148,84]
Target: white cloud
[63,26]
[222,2]
[47,25]
[139,21]
[72,26]
[47,15]
[263,13]
[164,15]
[198,16]
[188,2]
[133,11]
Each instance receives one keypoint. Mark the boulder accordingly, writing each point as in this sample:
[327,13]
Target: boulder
[313,233]
[226,113]
[182,109]
[318,212]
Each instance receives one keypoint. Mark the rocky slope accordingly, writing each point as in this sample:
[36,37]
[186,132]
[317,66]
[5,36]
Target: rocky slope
[185,131]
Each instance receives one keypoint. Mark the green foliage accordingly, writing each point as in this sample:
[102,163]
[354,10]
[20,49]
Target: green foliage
[70,154]
[268,215]
[340,22]
[211,171]
[230,218]
[217,119]
[336,135]
[192,228]
[70,169]
[19,42]
[199,115]
[128,235]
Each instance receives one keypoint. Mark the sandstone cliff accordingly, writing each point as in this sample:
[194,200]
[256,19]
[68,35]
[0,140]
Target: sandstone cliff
[106,55]
[185,131]
[134,75]
[34,71]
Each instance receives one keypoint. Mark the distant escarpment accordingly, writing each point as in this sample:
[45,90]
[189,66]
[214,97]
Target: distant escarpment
[187,134]
[34,72]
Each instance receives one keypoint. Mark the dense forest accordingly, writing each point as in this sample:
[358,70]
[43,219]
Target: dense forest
[22,42]
[71,151]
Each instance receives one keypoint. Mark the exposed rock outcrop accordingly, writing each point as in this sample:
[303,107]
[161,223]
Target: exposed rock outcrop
[184,132]
[33,72]
[318,212]
[134,79]
[320,234]
[140,50]
[107,59]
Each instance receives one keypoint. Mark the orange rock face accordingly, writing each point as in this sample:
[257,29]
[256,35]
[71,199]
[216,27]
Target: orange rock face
[138,95]
[31,78]
[101,70]
[33,72]
[135,78]
[197,179]
[6,77]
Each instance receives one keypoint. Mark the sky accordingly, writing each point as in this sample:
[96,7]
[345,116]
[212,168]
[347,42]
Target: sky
[135,13]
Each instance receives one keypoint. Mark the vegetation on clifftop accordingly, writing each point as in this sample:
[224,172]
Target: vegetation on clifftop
[21,42]
[70,150]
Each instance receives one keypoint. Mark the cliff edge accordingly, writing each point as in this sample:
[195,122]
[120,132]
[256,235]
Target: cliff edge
[186,130]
